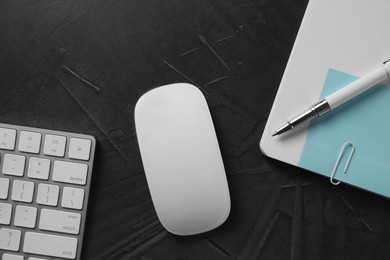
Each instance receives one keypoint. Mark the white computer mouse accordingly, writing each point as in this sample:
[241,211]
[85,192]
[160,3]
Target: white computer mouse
[182,160]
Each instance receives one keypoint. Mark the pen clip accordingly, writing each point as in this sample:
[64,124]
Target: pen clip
[346,144]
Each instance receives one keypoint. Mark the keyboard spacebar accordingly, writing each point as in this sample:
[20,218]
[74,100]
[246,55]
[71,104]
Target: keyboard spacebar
[50,245]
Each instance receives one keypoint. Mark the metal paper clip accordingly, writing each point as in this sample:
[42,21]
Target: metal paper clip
[346,144]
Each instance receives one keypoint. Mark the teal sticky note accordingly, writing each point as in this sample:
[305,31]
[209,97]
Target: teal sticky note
[363,121]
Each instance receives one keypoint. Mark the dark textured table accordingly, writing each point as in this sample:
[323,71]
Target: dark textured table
[80,66]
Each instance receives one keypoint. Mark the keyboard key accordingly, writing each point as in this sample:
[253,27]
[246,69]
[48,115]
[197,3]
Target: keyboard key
[12,257]
[72,198]
[7,138]
[13,164]
[44,182]
[48,194]
[10,239]
[79,148]
[22,191]
[29,142]
[4,186]
[5,213]
[50,245]
[54,145]
[70,172]
[38,168]
[25,216]
[60,221]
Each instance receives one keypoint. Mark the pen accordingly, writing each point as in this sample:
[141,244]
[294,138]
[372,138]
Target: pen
[339,97]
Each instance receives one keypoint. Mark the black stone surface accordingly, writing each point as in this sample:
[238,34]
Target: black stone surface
[80,66]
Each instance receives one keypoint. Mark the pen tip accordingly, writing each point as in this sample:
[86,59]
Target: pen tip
[276,133]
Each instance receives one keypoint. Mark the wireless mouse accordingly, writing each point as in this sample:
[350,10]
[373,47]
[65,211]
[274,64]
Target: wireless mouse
[182,160]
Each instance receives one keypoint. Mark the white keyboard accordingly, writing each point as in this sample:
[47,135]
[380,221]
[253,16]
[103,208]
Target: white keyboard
[45,179]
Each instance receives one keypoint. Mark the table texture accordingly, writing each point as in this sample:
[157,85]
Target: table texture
[80,66]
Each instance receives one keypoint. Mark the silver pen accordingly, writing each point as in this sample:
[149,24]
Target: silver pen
[339,97]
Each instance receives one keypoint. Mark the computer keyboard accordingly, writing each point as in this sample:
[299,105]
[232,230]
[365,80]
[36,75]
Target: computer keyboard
[45,179]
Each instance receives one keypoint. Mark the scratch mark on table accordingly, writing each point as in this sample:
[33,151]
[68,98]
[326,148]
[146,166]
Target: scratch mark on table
[140,245]
[93,120]
[215,81]
[189,52]
[217,41]
[82,79]
[348,205]
[44,84]
[146,228]
[225,102]
[8,102]
[180,73]
[289,186]
[266,220]
[366,225]
[253,171]
[222,100]
[214,52]
[225,39]
[65,24]
[142,258]
[296,248]
[257,249]
[147,244]
[217,247]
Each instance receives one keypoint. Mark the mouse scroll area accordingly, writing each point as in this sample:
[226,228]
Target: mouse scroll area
[182,160]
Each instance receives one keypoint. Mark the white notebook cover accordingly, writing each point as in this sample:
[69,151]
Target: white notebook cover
[338,41]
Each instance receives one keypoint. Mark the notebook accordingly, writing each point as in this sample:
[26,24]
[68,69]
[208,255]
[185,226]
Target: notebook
[338,42]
